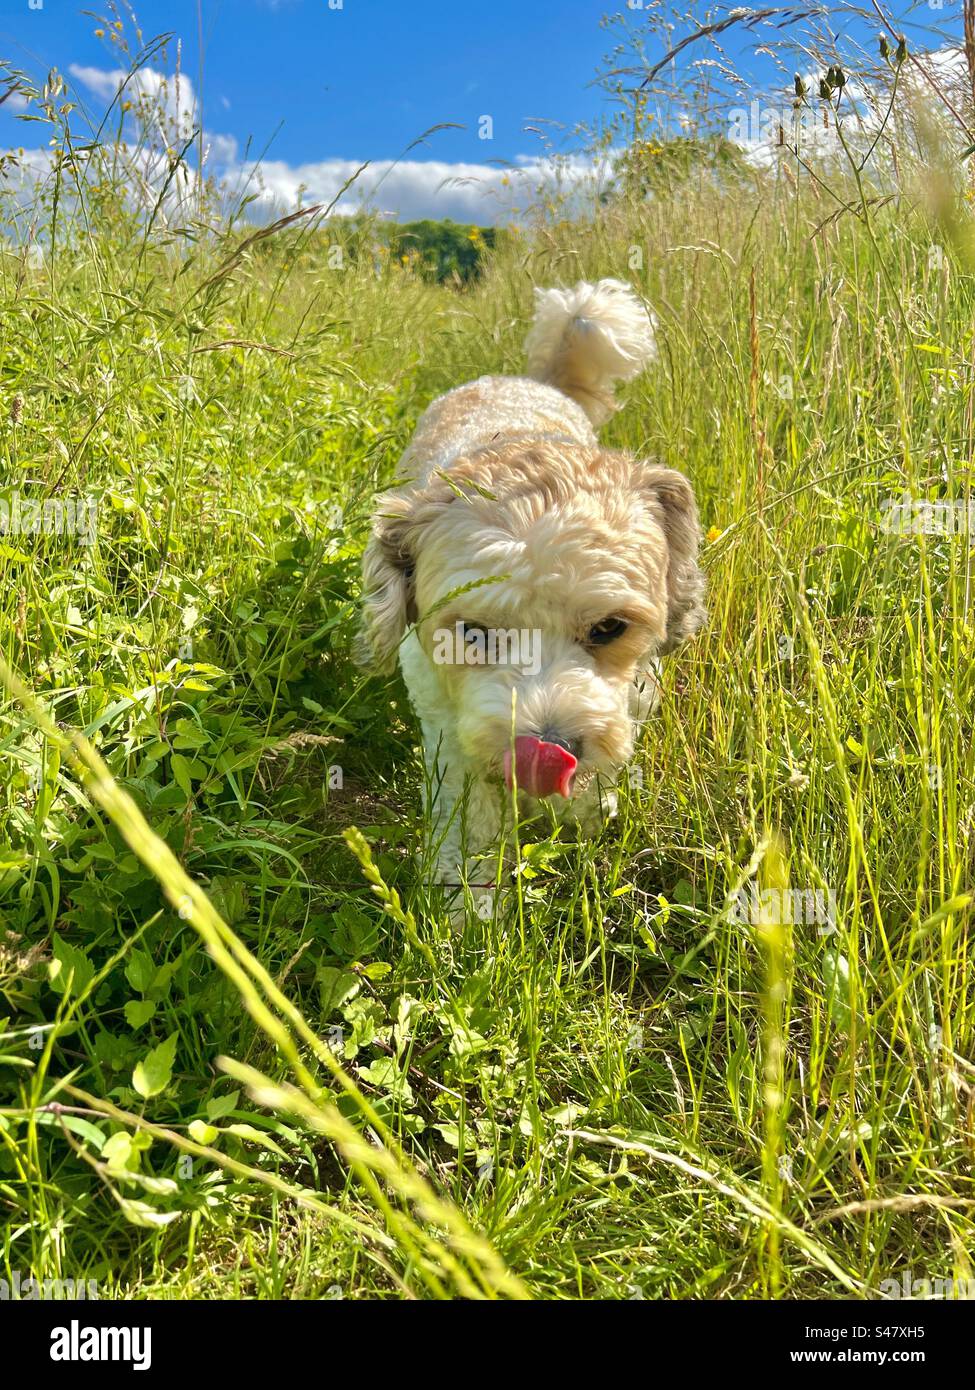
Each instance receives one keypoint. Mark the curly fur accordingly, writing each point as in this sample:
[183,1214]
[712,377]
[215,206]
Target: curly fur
[586,339]
[512,515]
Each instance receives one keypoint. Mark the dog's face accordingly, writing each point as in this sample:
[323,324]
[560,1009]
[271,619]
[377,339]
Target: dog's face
[542,579]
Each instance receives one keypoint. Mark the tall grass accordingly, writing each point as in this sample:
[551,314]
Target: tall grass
[244,1053]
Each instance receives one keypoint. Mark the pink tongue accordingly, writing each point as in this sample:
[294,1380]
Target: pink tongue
[541,768]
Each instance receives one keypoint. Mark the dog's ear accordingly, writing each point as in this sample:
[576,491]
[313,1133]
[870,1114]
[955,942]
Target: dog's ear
[387,584]
[677,513]
[388,564]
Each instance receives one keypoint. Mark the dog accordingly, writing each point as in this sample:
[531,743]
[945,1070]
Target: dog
[528,580]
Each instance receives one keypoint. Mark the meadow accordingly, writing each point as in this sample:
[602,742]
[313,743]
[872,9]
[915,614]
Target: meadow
[244,1052]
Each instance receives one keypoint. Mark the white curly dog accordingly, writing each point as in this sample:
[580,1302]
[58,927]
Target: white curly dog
[528,579]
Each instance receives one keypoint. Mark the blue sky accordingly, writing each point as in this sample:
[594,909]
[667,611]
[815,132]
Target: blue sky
[360,82]
[315,89]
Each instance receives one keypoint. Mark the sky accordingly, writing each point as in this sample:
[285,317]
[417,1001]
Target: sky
[307,90]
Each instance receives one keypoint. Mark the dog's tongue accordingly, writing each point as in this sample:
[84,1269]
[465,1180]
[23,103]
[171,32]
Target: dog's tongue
[541,768]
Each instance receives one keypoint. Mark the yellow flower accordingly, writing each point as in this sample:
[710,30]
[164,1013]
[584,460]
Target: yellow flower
[714,533]
[99,33]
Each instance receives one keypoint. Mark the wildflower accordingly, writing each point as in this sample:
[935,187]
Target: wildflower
[714,533]
[16,408]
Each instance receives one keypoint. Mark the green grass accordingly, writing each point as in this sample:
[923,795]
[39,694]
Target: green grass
[608,1087]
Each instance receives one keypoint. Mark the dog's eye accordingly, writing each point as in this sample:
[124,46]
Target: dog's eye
[468,628]
[606,631]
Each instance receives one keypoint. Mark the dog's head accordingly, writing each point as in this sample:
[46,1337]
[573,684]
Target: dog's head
[553,571]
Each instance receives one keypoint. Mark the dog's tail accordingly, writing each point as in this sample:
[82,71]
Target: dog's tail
[586,339]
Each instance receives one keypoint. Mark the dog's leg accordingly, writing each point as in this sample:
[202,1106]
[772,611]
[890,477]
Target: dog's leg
[444,805]
[462,812]
[462,815]
[462,823]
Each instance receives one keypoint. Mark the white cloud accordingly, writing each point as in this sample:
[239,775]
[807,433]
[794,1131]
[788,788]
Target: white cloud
[103,83]
[15,101]
[755,127]
[168,99]
[467,191]
[947,63]
[410,189]
[220,150]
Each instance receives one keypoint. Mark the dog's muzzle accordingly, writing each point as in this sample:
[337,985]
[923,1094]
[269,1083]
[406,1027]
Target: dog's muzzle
[540,769]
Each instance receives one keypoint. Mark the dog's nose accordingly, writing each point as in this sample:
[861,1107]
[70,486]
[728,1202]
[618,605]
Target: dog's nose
[571,745]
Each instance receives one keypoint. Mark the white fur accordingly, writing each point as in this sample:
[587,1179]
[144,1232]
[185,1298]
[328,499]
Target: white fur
[586,339]
[469,812]
[506,494]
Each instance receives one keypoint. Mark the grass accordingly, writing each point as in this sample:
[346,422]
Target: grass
[242,1053]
